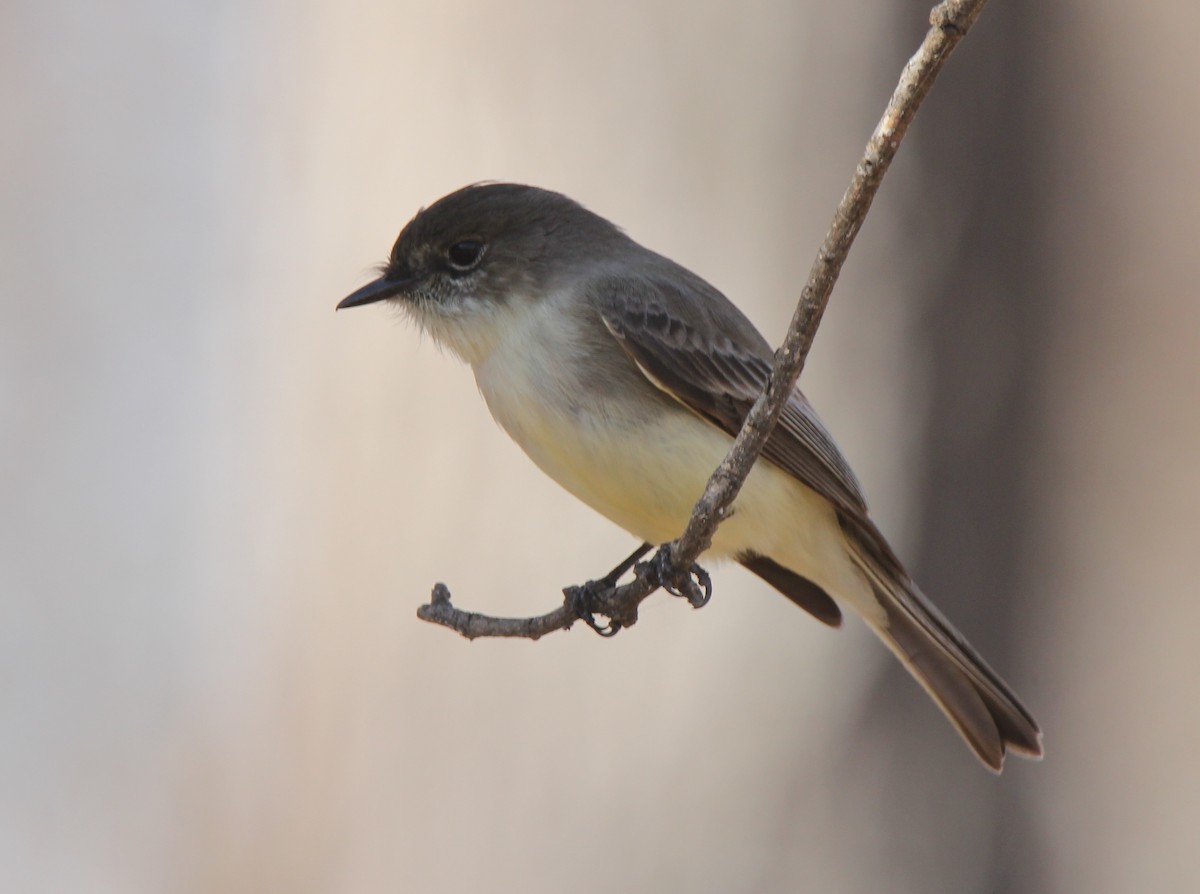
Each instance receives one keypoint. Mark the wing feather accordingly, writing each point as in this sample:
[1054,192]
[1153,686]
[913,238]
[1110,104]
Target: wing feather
[719,379]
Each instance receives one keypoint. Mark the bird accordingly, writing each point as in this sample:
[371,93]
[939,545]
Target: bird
[625,377]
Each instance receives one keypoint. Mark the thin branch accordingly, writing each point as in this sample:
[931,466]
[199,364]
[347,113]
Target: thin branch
[472,625]
[673,566]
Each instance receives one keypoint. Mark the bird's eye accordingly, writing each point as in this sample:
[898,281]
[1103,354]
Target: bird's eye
[466,254]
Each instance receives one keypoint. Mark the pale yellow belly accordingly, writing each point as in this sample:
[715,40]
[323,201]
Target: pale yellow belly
[645,475]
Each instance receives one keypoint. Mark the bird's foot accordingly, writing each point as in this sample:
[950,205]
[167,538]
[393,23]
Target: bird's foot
[595,597]
[588,600]
[694,585]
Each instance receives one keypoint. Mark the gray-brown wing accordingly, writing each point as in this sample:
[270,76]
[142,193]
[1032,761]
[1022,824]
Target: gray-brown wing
[720,378]
[717,366]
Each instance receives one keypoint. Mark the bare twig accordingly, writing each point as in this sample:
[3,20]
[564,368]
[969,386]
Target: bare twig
[472,625]
[950,21]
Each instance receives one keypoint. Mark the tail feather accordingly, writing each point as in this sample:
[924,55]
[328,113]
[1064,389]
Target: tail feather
[979,704]
[982,707]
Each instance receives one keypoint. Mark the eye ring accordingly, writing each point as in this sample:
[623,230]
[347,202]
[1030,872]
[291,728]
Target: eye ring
[465,254]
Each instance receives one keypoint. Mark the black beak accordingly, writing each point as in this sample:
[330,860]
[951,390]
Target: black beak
[387,286]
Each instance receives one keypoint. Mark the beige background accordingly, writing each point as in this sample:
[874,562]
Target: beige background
[221,504]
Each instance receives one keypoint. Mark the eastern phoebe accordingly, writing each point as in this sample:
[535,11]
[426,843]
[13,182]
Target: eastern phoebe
[625,376]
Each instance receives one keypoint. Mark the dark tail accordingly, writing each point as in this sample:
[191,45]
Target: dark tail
[980,705]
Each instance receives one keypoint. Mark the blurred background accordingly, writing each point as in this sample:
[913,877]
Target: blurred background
[221,504]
